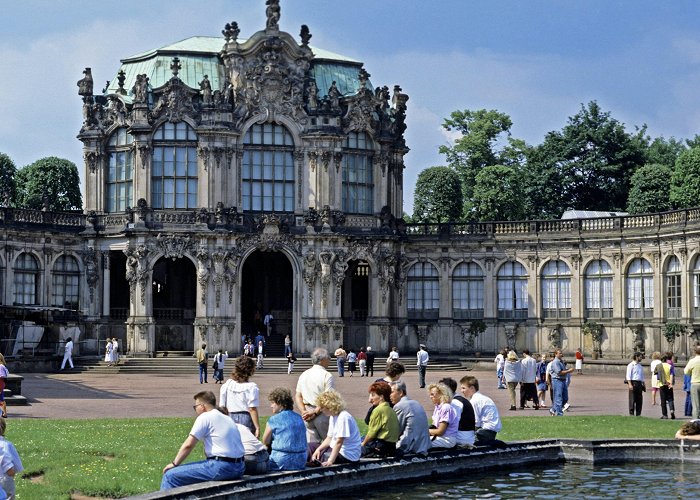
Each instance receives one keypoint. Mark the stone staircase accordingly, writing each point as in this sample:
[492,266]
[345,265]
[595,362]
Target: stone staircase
[13,391]
[186,365]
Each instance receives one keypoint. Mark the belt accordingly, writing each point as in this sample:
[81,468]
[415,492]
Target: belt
[227,459]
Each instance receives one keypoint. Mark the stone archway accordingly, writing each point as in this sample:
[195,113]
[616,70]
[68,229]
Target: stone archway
[267,285]
[355,305]
[174,292]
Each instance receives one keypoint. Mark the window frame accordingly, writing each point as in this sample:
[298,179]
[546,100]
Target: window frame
[468,289]
[423,287]
[357,183]
[174,167]
[639,288]
[512,291]
[119,189]
[63,280]
[30,278]
[598,289]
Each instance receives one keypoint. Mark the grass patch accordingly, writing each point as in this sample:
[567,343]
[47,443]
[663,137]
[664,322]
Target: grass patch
[113,458]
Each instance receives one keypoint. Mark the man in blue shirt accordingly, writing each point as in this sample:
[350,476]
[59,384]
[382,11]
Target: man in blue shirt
[558,373]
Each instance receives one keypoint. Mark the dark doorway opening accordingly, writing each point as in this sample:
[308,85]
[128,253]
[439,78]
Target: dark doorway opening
[174,289]
[355,306]
[267,286]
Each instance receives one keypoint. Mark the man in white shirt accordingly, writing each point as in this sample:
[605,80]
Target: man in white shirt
[422,364]
[635,384]
[68,353]
[487,419]
[311,383]
[500,362]
[222,447]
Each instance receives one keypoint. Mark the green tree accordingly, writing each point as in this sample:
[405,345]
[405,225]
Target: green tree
[475,148]
[8,170]
[53,179]
[650,189]
[685,182]
[498,194]
[589,163]
[664,151]
[437,196]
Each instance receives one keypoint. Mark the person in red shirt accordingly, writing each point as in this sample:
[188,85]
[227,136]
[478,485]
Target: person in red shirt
[579,361]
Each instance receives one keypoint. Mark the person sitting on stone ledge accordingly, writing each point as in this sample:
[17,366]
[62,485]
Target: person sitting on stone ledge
[487,419]
[285,433]
[413,422]
[383,427]
[257,459]
[222,447]
[343,444]
[465,414]
[689,430]
[443,432]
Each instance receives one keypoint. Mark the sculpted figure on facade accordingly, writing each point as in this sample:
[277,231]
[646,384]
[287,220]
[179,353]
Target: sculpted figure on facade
[340,267]
[554,337]
[137,271]
[312,95]
[205,87]
[511,334]
[334,96]
[140,89]
[203,272]
[310,273]
[273,14]
[173,246]
[387,272]
[638,341]
[85,84]
[326,259]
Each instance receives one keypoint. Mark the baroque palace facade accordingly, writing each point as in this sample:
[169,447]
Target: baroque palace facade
[230,178]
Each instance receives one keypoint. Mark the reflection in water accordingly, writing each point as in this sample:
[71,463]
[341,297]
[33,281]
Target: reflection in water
[663,480]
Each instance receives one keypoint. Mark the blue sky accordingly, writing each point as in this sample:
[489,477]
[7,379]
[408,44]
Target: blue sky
[534,60]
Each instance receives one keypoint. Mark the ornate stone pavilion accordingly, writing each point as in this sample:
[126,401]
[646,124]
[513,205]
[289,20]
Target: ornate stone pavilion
[229,178]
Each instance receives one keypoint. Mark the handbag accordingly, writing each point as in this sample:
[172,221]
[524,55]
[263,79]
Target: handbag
[215,366]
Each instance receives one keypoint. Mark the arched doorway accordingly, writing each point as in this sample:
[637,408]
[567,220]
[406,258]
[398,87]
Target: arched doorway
[174,289]
[355,306]
[267,286]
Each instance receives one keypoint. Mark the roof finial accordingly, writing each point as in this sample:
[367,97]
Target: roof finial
[231,31]
[175,66]
[121,76]
[305,35]
[273,14]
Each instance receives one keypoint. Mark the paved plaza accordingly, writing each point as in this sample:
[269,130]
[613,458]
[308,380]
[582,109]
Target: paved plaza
[90,395]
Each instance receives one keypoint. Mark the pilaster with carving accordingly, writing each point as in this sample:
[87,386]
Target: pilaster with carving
[326,259]
[310,273]
[91,259]
[387,272]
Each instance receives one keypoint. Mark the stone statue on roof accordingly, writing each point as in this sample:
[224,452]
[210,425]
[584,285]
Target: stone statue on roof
[273,14]
[85,83]
[205,86]
[334,96]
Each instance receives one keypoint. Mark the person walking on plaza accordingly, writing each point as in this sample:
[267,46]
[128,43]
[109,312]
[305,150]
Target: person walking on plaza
[223,448]
[108,352]
[291,359]
[500,362]
[261,355]
[202,360]
[542,380]
[68,353]
[558,374]
[422,364]
[340,356]
[311,383]
[579,361]
[371,356]
[513,374]
[635,384]
[528,389]
[219,366]
[352,362]
[693,369]
[362,361]
[666,379]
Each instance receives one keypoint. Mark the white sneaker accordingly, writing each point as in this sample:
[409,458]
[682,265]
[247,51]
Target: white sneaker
[566,407]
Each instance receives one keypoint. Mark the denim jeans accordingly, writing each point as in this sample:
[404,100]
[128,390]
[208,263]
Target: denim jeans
[561,394]
[341,367]
[421,375]
[198,472]
[202,373]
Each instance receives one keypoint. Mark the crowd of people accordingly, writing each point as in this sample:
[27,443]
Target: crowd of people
[322,432]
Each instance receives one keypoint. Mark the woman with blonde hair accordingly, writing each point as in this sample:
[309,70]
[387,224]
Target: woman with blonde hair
[343,443]
[512,373]
[240,396]
[4,375]
[443,432]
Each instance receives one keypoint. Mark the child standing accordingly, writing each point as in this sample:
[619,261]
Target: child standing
[10,463]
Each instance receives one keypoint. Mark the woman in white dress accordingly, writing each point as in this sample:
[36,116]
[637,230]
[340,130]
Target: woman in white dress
[108,352]
[240,396]
[115,351]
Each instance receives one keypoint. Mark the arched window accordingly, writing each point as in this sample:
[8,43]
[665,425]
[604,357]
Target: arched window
[66,283]
[27,277]
[174,167]
[468,291]
[512,291]
[673,288]
[556,290]
[423,291]
[640,289]
[358,177]
[696,288]
[267,179]
[121,171]
[599,289]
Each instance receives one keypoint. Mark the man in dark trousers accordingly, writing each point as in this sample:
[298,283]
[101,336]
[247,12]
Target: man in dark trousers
[370,361]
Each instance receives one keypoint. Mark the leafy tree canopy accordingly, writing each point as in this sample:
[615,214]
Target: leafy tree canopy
[498,194]
[437,196]
[664,151]
[685,183]
[650,189]
[8,170]
[590,161]
[50,180]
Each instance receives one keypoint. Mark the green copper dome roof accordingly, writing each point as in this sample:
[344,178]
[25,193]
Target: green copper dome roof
[199,56]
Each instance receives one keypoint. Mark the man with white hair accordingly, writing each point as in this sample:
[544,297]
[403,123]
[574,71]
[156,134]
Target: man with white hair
[371,355]
[311,383]
[413,422]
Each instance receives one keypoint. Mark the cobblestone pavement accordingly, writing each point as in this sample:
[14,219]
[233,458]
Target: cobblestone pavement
[90,395]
